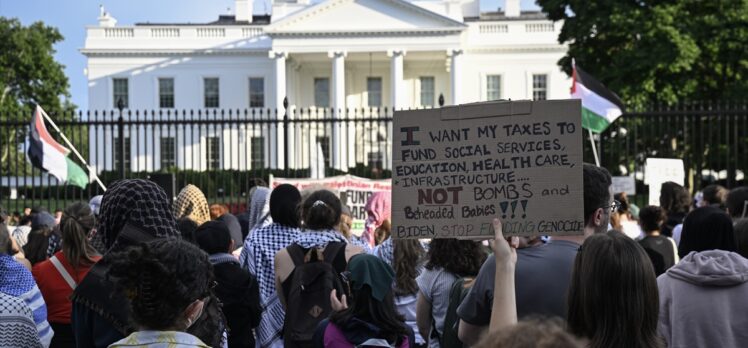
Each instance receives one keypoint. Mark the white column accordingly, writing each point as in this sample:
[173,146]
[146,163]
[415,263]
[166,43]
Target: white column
[276,149]
[397,87]
[456,74]
[338,108]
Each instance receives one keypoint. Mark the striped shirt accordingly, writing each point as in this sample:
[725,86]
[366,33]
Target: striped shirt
[435,285]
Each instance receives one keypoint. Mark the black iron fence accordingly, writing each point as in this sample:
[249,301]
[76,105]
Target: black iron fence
[226,152]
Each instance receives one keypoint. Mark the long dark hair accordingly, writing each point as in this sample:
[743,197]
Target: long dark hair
[77,221]
[407,256]
[383,314]
[460,257]
[613,297]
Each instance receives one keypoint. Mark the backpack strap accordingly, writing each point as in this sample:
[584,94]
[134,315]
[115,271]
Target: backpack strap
[331,253]
[63,272]
[297,254]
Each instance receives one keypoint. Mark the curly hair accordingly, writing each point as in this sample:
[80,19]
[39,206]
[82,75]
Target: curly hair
[161,279]
[407,256]
[460,257]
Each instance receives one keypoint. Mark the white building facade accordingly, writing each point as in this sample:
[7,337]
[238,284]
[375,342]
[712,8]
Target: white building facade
[341,59]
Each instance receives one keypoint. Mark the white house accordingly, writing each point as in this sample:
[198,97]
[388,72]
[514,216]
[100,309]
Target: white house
[337,58]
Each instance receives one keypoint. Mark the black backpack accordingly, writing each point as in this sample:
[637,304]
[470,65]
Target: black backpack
[457,293]
[308,292]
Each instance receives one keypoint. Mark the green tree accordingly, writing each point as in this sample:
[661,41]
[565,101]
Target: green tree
[29,75]
[657,51]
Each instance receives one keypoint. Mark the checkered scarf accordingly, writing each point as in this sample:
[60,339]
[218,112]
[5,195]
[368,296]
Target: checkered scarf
[136,200]
[386,252]
[258,257]
[191,203]
[15,280]
[319,239]
[17,323]
[259,208]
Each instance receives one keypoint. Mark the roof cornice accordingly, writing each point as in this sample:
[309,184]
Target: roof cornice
[118,52]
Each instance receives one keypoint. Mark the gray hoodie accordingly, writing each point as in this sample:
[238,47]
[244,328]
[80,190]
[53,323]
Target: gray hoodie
[704,301]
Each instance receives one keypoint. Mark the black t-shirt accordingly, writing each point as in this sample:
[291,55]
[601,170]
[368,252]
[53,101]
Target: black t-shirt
[661,251]
[542,277]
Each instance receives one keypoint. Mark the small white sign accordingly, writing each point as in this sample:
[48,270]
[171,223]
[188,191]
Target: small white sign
[662,170]
[625,184]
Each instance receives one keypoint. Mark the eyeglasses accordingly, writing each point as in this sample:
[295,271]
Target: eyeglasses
[613,206]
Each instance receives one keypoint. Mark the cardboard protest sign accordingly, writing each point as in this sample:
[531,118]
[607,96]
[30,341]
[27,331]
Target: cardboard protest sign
[457,168]
[354,192]
[625,184]
[659,171]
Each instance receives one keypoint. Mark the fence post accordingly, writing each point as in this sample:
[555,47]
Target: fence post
[121,139]
[285,137]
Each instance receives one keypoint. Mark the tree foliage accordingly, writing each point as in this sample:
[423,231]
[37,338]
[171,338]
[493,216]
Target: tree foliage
[29,75]
[658,51]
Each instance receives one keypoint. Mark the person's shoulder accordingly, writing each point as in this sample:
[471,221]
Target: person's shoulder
[353,249]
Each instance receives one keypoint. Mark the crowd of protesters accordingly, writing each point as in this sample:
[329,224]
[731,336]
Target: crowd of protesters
[134,268]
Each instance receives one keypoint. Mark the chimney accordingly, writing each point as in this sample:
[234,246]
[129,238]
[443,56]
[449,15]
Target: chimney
[511,8]
[243,10]
[105,19]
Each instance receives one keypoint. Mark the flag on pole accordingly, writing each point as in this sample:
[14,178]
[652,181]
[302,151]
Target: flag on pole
[47,154]
[600,106]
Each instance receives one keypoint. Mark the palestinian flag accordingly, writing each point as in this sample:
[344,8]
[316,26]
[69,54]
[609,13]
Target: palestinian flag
[47,154]
[600,106]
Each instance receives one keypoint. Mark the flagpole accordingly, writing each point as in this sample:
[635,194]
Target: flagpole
[594,148]
[75,151]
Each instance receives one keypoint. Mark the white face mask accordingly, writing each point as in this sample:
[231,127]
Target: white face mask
[190,321]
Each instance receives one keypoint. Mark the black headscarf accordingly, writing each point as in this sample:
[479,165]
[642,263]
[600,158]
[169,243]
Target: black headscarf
[135,200]
[707,228]
[133,212]
[284,205]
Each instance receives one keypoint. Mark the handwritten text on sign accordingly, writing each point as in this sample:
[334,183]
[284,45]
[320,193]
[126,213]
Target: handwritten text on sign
[455,169]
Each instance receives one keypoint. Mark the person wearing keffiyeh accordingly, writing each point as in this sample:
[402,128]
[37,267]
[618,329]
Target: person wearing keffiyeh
[258,257]
[18,282]
[259,209]
[133,211]
[191,203]
[321,215]
[17,324]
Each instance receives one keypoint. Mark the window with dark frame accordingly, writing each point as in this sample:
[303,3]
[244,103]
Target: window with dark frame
[322,92]
[257,152]
[115,152]
[166,92]
[212,153]
[539,87]
[256,92]
[427,90]
[493,87]
[211,92]
[374,91]
[168,152]
[121,90]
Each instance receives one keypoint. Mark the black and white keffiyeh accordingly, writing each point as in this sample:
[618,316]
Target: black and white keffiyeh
[259,208]
[17,328]
[135,200]
[258,257]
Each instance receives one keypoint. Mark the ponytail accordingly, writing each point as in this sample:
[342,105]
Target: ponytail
[76,223]
[322,210]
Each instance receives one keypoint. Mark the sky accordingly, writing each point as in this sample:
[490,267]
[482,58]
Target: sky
[72,16]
